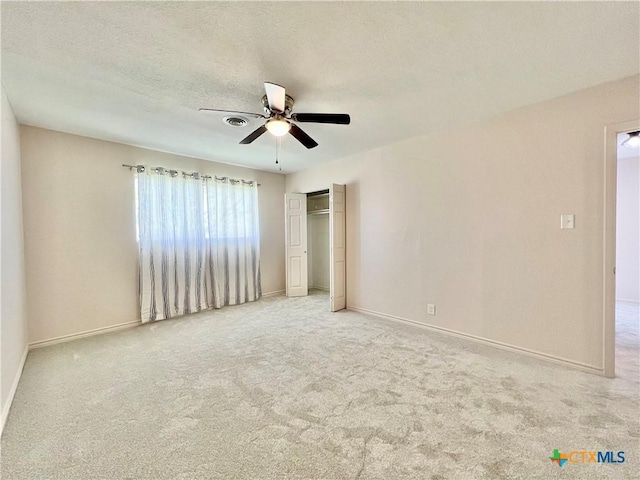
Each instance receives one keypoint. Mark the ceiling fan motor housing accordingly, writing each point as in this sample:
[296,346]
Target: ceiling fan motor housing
[288,105]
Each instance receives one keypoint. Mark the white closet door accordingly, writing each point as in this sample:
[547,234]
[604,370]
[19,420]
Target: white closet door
[337,237]
[296,244]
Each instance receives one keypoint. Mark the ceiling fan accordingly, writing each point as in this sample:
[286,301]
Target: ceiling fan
[277,107]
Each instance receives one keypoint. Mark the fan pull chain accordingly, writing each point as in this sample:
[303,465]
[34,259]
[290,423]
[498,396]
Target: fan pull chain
[278,139]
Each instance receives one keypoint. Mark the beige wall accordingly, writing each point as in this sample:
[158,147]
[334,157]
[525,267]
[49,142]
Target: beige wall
[469,220]
[628,230]
[79,214]
[13,321]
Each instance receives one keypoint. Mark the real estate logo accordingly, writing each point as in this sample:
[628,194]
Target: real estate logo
[584,456]
[559,458]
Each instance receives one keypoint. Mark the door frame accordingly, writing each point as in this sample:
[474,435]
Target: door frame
[609,285]
[338,252]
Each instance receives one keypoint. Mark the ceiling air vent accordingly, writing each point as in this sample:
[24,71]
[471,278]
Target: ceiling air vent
[235,121]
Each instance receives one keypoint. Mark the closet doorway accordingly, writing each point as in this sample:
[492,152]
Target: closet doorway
[315,244]
[318,261]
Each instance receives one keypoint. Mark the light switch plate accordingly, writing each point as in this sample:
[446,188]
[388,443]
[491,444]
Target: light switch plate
[431,309]
[567,221]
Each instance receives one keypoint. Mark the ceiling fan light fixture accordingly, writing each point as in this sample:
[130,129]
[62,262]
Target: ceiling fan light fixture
[278,127]
[633,141]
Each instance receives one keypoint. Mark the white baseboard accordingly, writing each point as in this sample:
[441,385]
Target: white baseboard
[315,287]
[485,341]
[110,328]
[273,294]
[14,387]
[87,333]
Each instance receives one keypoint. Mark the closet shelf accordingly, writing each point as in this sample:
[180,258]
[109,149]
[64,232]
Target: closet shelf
[318,212]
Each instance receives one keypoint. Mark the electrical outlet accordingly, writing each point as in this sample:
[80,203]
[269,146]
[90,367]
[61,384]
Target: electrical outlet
[431,309]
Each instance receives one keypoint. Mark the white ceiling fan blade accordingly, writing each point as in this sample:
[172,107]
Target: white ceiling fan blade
[275,95]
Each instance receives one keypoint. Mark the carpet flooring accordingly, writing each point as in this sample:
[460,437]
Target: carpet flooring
[283,389]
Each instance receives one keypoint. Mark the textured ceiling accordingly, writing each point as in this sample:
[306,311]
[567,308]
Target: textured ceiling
[136,72]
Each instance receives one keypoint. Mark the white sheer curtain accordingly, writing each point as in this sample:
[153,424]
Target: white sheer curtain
[233,242]
[199,243]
